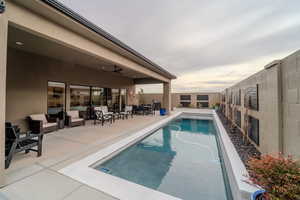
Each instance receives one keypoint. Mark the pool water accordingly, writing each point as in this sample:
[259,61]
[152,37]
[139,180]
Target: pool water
[180,159]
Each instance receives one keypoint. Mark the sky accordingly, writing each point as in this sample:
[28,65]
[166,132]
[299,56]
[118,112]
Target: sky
[208,44]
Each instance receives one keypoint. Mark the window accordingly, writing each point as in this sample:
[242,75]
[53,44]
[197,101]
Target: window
[223,98]
[202,104]
[98,96]
[237,118]
[230,98]
[251,100]
[202,97]
[237,98]
[230,112]
[80,97]
[185,97]
[113,98]
[56,97]
[185,104]
[123,94]
[253,129]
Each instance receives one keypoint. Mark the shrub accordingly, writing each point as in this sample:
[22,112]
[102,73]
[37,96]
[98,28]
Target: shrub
[279,176]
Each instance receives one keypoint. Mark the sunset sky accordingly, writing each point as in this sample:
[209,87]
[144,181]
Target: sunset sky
[208,44]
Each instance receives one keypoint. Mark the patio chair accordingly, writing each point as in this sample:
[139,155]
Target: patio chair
[99,116]
[115,115]
[73,119]
[138,110]
[15,142]
[149,109]
[127,111]
[42,123]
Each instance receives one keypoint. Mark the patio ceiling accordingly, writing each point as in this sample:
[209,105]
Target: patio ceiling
[28,42]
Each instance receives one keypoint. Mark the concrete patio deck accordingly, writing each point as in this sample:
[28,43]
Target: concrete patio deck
[33,178]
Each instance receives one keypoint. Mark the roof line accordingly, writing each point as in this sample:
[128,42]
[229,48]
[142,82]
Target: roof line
[83,21]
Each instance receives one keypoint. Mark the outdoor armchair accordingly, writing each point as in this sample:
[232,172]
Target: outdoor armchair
[73,118]
[42,123]
[104,109]
[16,142]
[127,111]
[100,116]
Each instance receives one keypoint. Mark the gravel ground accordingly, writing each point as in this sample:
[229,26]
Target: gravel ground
[244,148]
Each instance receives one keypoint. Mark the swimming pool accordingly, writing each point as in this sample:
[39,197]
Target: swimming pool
[187,155]
[181,159]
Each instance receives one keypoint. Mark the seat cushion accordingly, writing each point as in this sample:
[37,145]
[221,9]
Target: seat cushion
[39,117]
[77,120]
[98,108]
[74,114]
[104,109]
[47,125]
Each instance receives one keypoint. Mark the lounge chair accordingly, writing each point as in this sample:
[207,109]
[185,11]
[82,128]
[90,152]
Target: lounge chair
[99,116]
[73,119]
[127,111]
[16,142]
[42,123]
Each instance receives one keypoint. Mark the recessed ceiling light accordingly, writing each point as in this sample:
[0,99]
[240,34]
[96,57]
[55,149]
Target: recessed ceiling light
[20,43]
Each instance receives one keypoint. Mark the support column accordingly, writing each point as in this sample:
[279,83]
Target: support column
[167,97]
[3,57]
[68,97]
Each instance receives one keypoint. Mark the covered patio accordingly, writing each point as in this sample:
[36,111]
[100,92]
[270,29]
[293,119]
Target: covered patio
[62,148]
[51,60]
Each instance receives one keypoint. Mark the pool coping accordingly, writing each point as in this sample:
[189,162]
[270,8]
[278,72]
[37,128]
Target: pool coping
[236,170]
[122,189]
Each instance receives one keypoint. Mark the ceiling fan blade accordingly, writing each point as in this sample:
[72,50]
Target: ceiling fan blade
[117,69]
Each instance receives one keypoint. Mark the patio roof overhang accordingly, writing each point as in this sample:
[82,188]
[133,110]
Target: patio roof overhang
[57,32]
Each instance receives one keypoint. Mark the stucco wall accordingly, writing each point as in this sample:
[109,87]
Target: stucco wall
[27,77]
[3,52]
[175,98]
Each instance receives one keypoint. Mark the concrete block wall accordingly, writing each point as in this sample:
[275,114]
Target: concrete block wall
[279,105]
[268,113]
[290,70]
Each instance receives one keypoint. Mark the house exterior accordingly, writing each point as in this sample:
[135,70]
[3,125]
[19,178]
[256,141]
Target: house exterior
[191,100]
[52,59]
[266,106]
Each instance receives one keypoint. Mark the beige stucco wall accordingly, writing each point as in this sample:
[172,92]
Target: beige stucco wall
[3,52]
[146,98]
[213,98]
[28,74]
[64,31]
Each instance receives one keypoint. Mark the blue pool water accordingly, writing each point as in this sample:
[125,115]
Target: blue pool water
[181,159]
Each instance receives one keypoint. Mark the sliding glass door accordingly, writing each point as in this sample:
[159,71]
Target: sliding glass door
[80,97]
[98,96]
[56,97]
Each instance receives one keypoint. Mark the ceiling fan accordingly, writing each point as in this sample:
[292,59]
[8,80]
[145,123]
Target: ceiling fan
[117,69]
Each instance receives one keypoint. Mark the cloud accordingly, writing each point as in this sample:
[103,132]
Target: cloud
[217,40]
